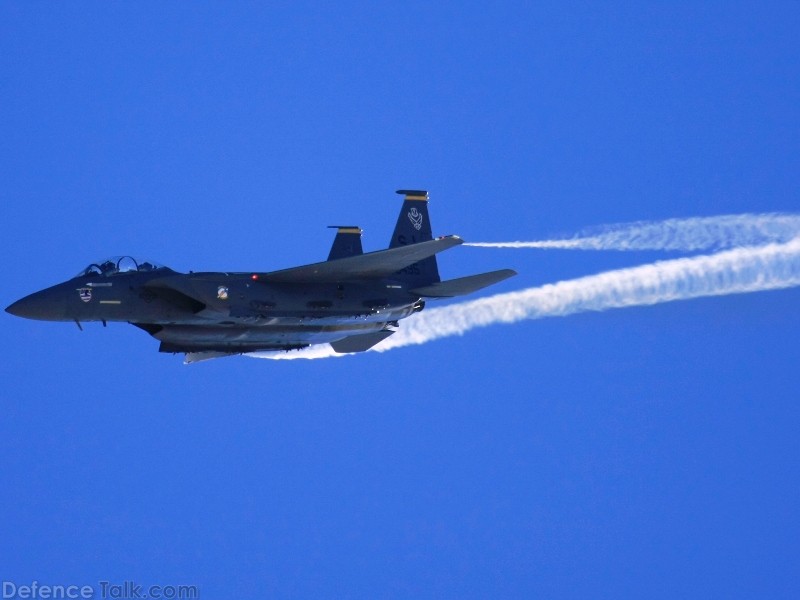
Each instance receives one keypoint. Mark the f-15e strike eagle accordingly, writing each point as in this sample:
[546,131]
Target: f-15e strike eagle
[352,301]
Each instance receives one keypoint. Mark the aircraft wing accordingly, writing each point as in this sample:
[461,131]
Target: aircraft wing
[371,265]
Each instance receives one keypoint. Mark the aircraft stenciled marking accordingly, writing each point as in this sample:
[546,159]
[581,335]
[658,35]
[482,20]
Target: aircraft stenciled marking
[96,285]
[85,294]
[110,301]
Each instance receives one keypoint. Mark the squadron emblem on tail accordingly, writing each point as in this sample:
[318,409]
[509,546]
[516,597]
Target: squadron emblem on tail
[416,218]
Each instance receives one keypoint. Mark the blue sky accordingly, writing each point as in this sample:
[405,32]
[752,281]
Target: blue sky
[648,451]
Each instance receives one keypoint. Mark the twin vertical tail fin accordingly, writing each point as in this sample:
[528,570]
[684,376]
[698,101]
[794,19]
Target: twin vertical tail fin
[414,226]
[346,243]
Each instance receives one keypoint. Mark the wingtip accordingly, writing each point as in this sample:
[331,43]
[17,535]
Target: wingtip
[456,239]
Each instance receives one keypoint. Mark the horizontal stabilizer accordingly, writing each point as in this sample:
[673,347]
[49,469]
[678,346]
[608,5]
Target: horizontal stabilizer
[462,285]
[360,343]
[372,265]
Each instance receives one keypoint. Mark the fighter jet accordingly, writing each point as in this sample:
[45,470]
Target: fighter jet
[352,301]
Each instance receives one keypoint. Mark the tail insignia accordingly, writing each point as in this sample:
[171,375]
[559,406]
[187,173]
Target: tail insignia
[416,218]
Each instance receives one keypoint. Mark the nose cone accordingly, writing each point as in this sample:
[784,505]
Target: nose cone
[17,309]
[36,306]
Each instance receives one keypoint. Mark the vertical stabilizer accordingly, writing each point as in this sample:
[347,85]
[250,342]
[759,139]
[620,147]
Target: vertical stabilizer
[414,226]
[346,243]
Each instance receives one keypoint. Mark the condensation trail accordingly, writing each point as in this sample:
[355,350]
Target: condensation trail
[741,270]
[687,235]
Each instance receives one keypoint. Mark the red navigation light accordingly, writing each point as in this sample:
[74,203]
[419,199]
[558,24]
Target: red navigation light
[254,277]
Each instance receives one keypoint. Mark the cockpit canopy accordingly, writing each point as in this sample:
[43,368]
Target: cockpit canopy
[118,264]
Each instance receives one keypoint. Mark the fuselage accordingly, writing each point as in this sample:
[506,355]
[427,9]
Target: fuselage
[225,312]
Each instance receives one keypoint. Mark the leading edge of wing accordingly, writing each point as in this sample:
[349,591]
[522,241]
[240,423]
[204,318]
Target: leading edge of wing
[371,265]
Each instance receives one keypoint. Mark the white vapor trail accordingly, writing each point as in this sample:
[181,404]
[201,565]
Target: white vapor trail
[736,271]
[697,233]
